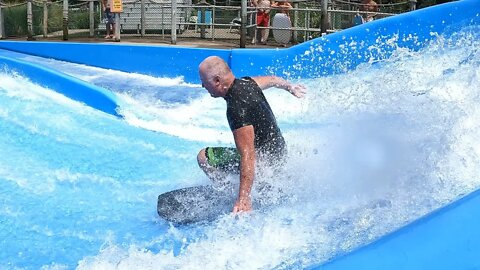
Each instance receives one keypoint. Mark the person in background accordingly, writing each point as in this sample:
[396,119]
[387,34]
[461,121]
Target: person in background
[263,18]
[258,138]
[283,6]
[370,9]
[109,19]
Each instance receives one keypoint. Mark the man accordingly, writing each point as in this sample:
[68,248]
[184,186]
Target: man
[254,127]
[370,8]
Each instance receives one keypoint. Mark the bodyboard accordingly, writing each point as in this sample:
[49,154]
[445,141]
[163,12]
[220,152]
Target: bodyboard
[195,204]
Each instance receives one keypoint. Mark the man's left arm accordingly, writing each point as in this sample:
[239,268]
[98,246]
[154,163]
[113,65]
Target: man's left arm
[265,82]
[244,140]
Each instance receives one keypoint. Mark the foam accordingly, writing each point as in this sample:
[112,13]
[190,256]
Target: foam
[370,151]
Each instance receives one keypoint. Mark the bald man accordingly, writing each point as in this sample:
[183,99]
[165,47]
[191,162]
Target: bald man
[252,122]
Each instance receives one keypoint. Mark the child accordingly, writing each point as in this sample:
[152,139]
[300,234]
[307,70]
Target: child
[109,19]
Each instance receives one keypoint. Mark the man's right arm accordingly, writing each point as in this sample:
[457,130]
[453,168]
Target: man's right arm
[265,82]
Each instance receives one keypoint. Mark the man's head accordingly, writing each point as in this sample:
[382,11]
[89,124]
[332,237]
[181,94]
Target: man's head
[216,76]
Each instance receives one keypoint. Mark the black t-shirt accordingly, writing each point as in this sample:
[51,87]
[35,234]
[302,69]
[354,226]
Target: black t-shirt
[246,105]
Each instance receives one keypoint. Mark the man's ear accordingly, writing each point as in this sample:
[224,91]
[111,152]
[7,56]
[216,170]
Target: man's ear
[217,80]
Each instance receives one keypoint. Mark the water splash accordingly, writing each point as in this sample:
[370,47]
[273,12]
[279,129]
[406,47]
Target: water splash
[370,151]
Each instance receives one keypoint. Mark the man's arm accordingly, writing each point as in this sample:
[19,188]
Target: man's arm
[244,140]
[265,82]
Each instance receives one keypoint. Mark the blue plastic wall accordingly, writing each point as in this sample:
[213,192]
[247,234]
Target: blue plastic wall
[447,239]
[162,61]
[71,87]
[343,51]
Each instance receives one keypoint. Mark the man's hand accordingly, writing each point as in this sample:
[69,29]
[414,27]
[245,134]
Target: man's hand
[242,205]
[297,90]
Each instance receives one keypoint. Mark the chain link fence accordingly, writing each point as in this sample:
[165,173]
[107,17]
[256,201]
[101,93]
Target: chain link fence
[209,20]
[44,18]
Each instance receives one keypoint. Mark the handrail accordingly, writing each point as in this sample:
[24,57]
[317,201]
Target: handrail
[379,5]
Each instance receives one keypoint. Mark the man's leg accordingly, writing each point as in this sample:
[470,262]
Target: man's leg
[209,170]
[107,29]
[218,162]
[113,30]
[265,23]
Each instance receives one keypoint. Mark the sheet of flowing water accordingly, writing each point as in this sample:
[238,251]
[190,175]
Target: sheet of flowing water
[370,151]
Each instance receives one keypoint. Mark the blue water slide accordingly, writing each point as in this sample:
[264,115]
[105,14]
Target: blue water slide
[448,238]
[161,61]
[69,86]
[345,50]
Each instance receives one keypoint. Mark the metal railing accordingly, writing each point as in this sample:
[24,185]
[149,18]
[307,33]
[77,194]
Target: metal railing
[180,19]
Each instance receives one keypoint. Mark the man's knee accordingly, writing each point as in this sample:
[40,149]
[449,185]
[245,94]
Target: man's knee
[202,158]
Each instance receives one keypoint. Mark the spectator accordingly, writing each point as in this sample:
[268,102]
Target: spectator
[370,9]
[283,7]
[263,18]
[109,19]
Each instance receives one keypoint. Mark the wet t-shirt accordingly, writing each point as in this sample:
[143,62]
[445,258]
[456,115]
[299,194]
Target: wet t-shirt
[246,105]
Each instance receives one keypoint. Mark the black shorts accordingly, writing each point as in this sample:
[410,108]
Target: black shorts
[224,158]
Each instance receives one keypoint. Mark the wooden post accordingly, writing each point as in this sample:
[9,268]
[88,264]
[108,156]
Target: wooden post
[295,21]
[117,27]
[116,7]
[202,21]
[325,20]
[142,17]
[45,18]
[2,24]
[91,11]
[174,22]
[243,26]
[65,19]
[29,21]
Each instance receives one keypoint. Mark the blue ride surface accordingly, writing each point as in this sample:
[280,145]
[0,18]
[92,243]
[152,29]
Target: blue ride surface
[96,160]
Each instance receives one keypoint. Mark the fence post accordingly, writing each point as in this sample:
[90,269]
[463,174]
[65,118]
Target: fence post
[91,11]
[117,27]
[243,26]
[116,7]
[325,20]
[413,5]
[295,21]
[29,21]
[45,18]
[142,17]
[65,19]
[174,22]
[2,24]
[202,20]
